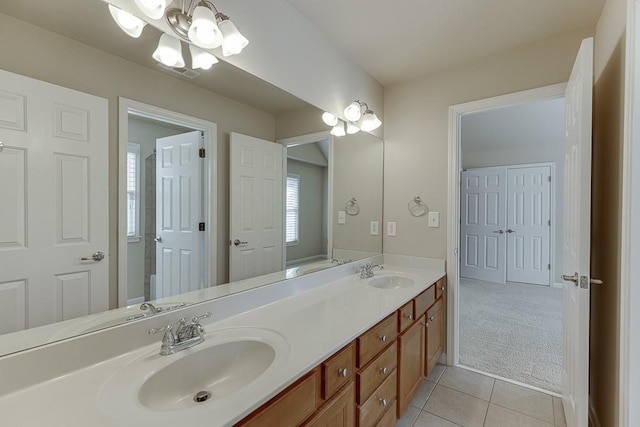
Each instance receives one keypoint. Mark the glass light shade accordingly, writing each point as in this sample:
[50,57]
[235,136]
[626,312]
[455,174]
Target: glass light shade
[329,119]
[201,59]
[154,9]
[204,31]
[233,41]
[338,129]
[169,51]
[351,129]
[131,25]
[353,112]
[370,121]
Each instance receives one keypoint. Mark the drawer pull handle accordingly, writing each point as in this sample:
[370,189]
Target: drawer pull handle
[383,401]
[343,372]
[409,316]
[384,370]
[442,288]
[383,338]
[431,318]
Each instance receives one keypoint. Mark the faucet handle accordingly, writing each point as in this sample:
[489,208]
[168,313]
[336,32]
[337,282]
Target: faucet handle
[154,331]
[196,319]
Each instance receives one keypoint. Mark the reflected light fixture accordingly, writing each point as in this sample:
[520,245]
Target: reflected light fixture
[339,129]
[351,128]
[201,59]
[169,51]
[369,121]
[154,9]
[131,25]
[329,119]
[353,112]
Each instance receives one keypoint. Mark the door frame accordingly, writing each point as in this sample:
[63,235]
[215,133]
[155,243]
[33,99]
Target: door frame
[210,143]
[629,373]
[300,140]
[453,205]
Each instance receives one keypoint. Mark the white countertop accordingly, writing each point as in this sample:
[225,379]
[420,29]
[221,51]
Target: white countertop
[313,324]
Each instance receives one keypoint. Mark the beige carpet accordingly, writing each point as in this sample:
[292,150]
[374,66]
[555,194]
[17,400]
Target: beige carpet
[512,330]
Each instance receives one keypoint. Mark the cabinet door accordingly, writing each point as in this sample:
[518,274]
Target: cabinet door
[339,412]
[410,364]
[434,335]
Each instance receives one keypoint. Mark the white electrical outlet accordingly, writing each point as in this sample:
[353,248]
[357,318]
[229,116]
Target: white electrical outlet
[342,217]
[434,219]
[374,228]
[391,229]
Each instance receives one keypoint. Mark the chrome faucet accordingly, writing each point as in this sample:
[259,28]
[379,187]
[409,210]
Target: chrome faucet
[366,270]
[339,261]
[149,310]
[186,336]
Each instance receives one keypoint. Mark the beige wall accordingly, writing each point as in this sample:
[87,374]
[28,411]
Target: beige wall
[609,93]
[301,121]
[40,54]
[416,131]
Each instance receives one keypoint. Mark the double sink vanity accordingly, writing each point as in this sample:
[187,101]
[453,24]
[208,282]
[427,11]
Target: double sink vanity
[339,348]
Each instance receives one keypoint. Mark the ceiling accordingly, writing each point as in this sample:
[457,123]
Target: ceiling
[89,22]
[401,40]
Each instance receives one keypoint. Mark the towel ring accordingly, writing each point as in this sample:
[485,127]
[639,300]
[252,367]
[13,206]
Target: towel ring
[351,207]
[417,207]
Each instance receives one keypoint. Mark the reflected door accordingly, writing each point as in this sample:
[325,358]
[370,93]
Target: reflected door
[483,225]
[256,229]
[54,224]
[178,214]
[528,225]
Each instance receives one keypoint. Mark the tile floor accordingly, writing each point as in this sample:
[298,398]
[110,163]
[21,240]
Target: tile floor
[452,397]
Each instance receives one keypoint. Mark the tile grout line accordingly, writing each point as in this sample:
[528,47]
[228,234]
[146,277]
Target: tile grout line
[522,413]
[493,386]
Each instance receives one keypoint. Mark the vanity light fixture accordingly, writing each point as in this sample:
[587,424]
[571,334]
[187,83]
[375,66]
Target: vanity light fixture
[329,119]
[201,59]
[131,25]
[154,9]
[169,51]
[339,129]
[353,112]
[351,128]
[369,121]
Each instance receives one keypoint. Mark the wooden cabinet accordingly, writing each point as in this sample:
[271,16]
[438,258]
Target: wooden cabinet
[425,300]
[441,287]
[339,412]
[373,410]
[370,377]
[406,316]
[434,335]
[290,408]
[377,338]
[338,370]
[411,354]
[389,419]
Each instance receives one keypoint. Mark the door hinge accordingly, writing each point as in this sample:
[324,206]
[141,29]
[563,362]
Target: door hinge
[201,226]
[549,178]
[548,266]
[549,223]
[201,153]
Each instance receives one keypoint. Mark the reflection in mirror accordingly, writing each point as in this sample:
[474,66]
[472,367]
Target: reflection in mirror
[75,47]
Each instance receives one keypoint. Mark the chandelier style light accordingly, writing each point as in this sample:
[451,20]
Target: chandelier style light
[197,22]
[359,117]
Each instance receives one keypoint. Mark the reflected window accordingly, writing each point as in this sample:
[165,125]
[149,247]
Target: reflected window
[133,192]
[292,209]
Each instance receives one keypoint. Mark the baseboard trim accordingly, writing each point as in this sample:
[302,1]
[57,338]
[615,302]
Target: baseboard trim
[507,380]
[135,301]
[594,421]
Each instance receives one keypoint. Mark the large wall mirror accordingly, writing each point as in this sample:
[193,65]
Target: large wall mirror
[274,197]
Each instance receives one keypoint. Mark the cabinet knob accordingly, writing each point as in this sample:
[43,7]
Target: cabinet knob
[408,316]
[442,288]
[431,318]
[384,370]
[343,372]
[383,401]
[383,338]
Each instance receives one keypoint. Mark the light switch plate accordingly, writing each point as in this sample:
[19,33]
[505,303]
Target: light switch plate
[342,217]
[434,219]
[391,229]
[374,228]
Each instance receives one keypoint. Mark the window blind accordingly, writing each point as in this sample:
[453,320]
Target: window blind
[133,190]
[292,209]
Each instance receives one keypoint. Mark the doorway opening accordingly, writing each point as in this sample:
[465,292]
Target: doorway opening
[507,314]
[167,203]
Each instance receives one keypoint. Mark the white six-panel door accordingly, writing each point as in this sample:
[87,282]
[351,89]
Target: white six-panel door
[528,224]
[577,239]
[178,214]
[53,203]
[256,207]
[483,222]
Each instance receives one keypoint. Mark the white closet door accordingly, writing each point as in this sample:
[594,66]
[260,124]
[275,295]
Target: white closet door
[178,214]
[528,224]
[53,203]
[256,211]
[483,223]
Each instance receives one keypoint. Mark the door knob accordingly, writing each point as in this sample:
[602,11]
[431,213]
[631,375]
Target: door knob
[596,281]
[237,242]
[510,231]
[158,239]
[573,278]
[96,256]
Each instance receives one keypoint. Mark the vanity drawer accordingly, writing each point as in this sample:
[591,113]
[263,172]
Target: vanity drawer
[338,370]
[375,339]
[405,316]
[389,419]
[370,412]
[425,300]
[441,287]
[290,408]
[369,378]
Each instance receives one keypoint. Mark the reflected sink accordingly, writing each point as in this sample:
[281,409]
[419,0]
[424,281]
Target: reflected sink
[218,371]
[391,282]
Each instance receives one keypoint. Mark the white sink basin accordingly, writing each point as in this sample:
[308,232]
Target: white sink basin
[391,281]
[214,372]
